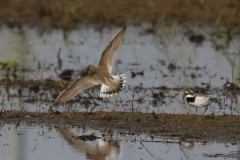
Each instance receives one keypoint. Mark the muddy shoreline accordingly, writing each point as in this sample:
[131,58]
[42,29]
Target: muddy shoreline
[206,128]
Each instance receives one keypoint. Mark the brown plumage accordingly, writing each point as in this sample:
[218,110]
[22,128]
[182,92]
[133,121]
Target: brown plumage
[99,75]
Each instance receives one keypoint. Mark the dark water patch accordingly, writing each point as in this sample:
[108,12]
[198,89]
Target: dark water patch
[87,137]
[234,154]
[66,75]
[134,74]
[35,89]
[198,39]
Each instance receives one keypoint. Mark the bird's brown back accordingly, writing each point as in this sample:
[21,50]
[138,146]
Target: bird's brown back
[101,73]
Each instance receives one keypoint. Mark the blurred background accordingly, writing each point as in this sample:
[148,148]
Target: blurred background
[64,13]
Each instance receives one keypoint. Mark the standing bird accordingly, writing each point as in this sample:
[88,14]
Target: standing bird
[199,100]
[99,75]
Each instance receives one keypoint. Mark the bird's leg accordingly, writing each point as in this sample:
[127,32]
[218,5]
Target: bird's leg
[204,111]
[196,111]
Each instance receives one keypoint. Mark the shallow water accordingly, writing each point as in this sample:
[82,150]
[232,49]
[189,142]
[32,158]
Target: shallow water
[145,52]
[46,142]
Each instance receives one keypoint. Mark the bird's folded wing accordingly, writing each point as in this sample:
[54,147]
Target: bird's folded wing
[75,88]
[110,51]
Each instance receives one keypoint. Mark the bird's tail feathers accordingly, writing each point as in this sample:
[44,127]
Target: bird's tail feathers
[114,87]
[215,100]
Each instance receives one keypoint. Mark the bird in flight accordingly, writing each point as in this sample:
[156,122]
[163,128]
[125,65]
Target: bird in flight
[100,75]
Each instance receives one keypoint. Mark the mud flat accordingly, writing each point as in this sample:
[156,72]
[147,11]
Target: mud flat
[220,128]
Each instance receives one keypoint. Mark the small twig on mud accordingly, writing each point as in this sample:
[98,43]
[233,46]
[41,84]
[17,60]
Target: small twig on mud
[46,117]
[13,113]
[15,117]
[102,116]
[163,121]
[167,115]
[100,119]
[69,116]
[13,110]
[61,122]
[84,115]
[42,120]
[154,131]
[121,120]
[133,127]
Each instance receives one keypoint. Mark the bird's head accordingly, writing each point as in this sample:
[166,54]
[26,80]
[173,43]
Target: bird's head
[189,94]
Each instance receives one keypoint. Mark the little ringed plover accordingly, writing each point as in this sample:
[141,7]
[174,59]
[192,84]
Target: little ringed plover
[199,100]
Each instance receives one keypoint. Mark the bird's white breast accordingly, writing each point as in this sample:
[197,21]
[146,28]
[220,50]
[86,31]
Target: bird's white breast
[201,101]
[190,96]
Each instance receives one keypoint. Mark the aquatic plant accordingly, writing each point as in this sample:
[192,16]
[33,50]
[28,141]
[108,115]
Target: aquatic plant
[231,26]
[188,86]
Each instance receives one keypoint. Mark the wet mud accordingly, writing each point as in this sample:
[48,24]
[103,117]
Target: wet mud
[186,127]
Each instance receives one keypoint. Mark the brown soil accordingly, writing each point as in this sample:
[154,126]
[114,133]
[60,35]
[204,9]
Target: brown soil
[183,126]
[64,13]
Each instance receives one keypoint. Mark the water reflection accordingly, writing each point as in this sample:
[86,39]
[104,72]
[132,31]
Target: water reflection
[22,141]
[99,149]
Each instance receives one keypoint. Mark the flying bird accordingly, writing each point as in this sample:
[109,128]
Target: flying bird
[100,75]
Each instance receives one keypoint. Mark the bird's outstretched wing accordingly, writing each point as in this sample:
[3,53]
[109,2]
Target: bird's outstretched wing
[110,51]
[76,87]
